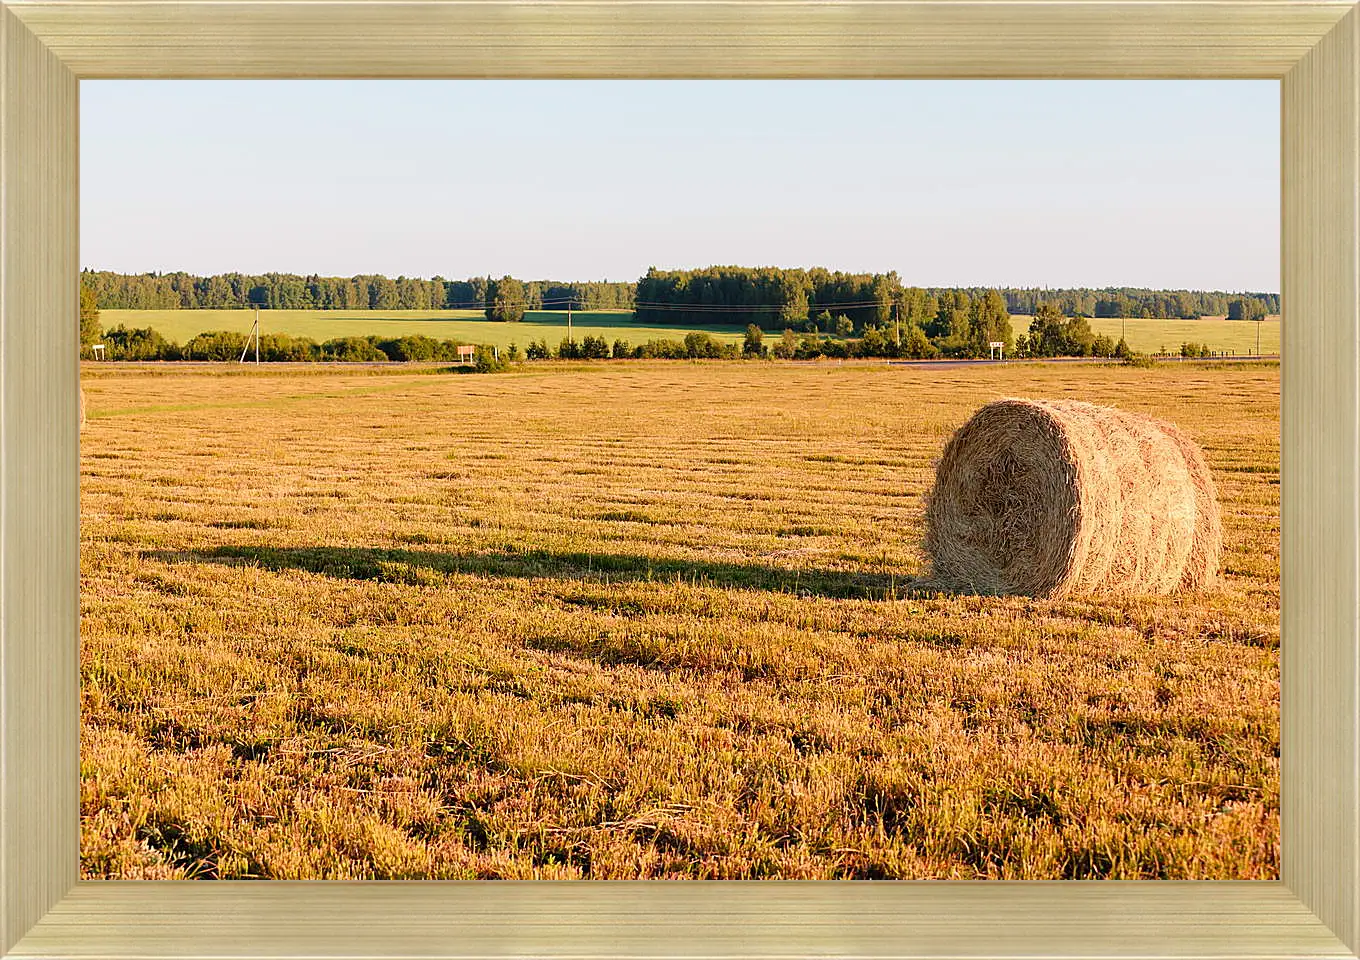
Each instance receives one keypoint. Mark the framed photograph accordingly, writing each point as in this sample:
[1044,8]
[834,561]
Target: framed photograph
[1312,910]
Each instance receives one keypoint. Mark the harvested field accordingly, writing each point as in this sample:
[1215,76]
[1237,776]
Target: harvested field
[643,620]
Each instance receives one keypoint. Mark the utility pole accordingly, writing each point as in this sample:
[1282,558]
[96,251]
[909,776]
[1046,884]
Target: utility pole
[1258,335]
[255,334]
[570,298]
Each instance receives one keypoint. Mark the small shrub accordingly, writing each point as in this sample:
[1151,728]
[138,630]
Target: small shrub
[594,348]
[662,350]
[702,346]
[209,345]
[352,350]
[486,360]
[787,347]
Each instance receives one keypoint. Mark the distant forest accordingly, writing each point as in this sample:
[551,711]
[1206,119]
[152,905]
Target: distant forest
[773,298]
[1134,303]
[290,291]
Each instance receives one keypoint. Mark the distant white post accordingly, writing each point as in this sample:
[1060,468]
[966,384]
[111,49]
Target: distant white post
[996,350]
[98,350]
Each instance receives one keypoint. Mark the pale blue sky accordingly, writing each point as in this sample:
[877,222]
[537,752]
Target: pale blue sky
[1018,183]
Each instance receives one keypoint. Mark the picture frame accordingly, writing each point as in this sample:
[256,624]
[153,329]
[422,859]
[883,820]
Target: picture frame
[47,46]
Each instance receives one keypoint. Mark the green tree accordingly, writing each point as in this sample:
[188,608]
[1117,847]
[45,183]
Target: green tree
[594,348]
[1052,335]
[844,326]
[209,345]
[90,331]
[791,289]
[382,294]
[702,346]
[991,323]
[486,359]
[351,350]
[662,350]
[1078,340]
[505,300]
[873,343]
[952,330]
[413,347]
[143,343]
[1244,308]
[1046,331]
[787,347]
[754,344]
[917,345]
[809,347]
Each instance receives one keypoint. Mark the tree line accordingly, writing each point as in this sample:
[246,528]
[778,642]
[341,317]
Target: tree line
[1138,303]
[771,297]
[290,291]
[774,297]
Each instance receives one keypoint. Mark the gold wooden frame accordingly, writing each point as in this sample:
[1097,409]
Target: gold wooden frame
[1313,46]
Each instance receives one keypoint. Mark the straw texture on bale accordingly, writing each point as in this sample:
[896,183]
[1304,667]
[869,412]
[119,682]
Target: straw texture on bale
[1052,497]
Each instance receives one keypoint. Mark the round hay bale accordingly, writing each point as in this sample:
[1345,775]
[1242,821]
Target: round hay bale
[1052,497]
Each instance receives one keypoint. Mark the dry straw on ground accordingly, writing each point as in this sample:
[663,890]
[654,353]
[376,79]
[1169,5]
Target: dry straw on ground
[1054,497]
